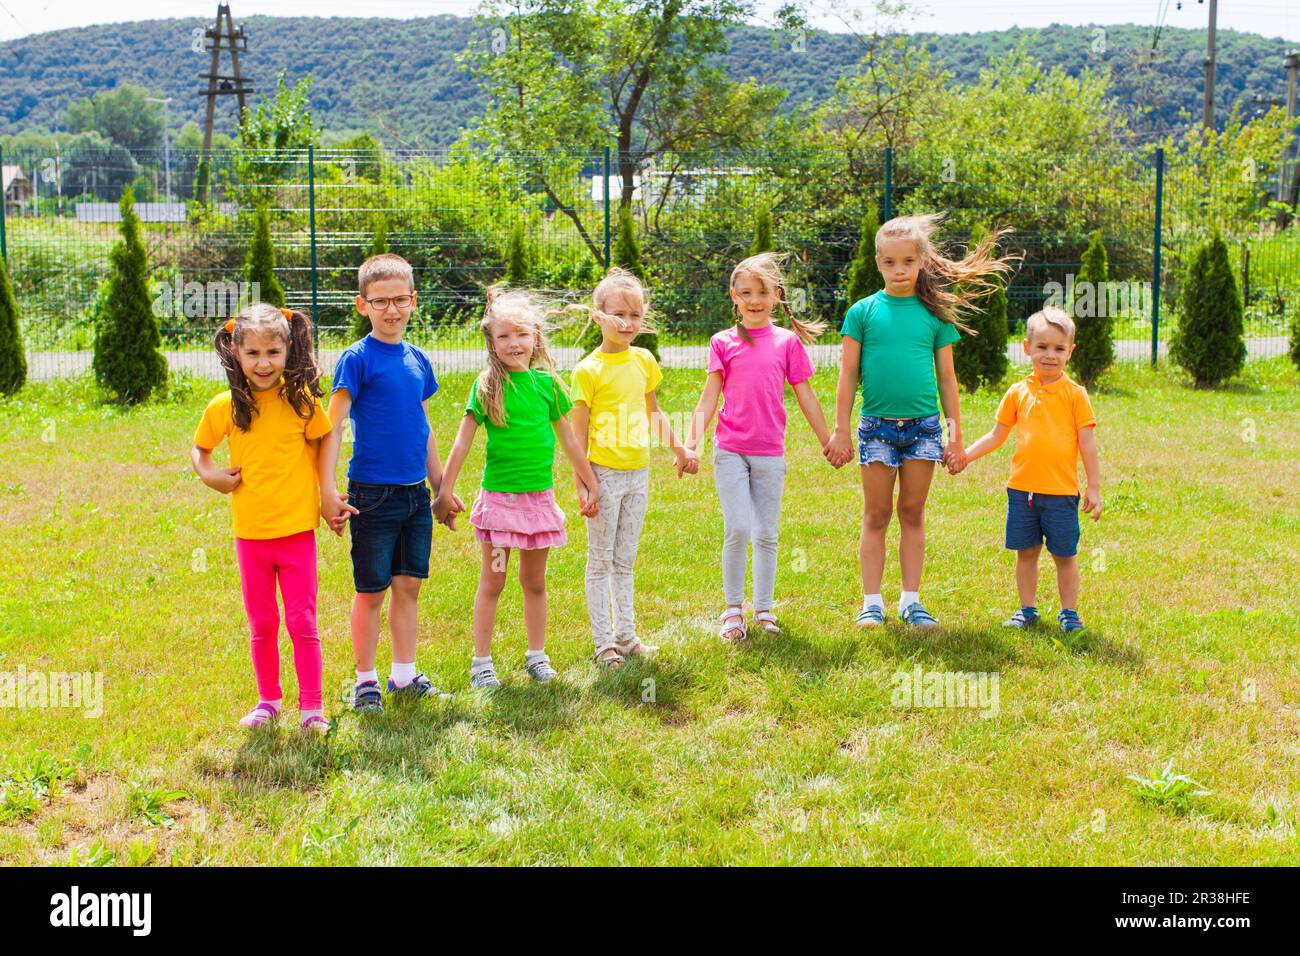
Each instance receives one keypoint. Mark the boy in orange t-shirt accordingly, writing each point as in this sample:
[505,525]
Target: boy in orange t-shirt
[1055,426]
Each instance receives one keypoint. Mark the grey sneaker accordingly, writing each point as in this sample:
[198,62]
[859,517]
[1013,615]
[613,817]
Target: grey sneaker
[484,678]
[541,670]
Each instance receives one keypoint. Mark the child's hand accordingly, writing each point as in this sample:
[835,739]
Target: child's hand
[1092,503]
[446,508]
[839,450]
[954,456]
[224,480]
[334,508]
[588,501]
[688,461]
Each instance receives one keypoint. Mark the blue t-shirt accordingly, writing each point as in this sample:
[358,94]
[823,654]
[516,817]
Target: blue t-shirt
[390,433]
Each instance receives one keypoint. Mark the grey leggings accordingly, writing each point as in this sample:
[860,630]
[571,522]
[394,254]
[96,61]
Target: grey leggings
[750,487]
[612,538]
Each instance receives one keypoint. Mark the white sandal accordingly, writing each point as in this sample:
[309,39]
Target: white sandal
[768,620]
[733,624]
[606,659]
[635,648]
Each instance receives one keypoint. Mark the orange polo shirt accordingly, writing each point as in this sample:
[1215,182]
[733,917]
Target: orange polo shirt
[1046,419]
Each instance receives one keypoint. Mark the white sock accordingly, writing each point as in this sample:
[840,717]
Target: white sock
[363,676]
[870,599]
[402,674]
[531,656]
[908,598]
[478,663]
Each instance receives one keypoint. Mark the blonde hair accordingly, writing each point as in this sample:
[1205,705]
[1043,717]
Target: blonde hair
[945,286]
[766,268]
[617,282]
[1050,315]
[518,307]
[301,375]
[386,265]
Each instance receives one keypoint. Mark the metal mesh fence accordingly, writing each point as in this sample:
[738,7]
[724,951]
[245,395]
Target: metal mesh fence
[451,213]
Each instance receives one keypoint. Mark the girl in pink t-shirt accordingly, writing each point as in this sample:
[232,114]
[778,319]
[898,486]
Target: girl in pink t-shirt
[749,365]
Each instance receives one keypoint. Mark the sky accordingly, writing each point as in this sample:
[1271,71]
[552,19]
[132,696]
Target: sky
[1268,17]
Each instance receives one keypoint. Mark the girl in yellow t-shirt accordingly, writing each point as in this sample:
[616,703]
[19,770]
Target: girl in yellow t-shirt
[614,410]
[273,419]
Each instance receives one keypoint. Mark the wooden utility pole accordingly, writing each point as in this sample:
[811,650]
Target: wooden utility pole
[1291,195]
[222,36]
[1209,65]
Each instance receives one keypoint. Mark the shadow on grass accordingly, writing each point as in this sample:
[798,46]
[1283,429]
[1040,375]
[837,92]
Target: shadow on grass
[656,687]
[963,648]
[1089,643]
[792,651]
[531,708]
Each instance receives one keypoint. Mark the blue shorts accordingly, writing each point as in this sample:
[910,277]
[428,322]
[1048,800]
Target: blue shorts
[1034,518]
[392,533]
[891,440]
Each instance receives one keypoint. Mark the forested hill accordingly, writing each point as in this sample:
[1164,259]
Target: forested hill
[399,78]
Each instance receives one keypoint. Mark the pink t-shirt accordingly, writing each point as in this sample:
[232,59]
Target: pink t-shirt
[752,420]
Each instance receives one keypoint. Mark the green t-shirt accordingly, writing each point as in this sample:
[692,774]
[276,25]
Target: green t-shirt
[521,454]
[899,338]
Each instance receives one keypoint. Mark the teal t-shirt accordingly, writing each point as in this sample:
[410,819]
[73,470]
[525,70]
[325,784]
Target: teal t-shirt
[899,337]
[521,454]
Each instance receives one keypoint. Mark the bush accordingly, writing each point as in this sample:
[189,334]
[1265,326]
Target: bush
[627,251]
[981,359]
[762,232]
[260,264]
[1209,340]
[127,358]
[1295,339]
[864,276]
[1094,346]
[13,362]
[517,255]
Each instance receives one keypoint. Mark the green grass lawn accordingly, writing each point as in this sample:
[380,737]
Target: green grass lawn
[787,751]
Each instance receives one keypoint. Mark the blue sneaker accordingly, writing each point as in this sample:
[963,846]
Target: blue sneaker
[421,686]
[873,615]
[917,616]
[1069,620]
[367,697]
[1025,617]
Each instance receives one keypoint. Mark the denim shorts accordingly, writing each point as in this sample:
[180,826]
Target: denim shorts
[891,440]
[1034,518]
[392,533]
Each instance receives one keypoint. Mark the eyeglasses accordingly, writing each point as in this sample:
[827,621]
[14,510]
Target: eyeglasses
[401,301]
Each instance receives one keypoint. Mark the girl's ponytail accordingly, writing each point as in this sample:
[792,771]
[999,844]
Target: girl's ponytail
[766,266]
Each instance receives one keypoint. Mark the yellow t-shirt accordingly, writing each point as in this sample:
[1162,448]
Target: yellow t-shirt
[1047,419]
[613,386]
[278,493]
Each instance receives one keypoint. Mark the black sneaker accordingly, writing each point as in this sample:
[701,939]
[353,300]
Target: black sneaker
[367,697]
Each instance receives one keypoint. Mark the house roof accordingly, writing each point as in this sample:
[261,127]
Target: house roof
[11,173]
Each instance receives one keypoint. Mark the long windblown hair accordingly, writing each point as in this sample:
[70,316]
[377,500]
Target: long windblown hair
[521,308]
[617,282]
[301,384]
[766,267]
[947,286]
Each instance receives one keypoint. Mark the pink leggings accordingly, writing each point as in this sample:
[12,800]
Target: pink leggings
[293,560]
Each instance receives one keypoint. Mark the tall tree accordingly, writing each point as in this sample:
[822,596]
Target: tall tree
[259,266]
[13,363]
[128,360]
[640,76]
[123,115]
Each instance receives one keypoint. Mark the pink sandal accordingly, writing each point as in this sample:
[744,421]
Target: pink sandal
[316,724]
[733,624]
[259,715]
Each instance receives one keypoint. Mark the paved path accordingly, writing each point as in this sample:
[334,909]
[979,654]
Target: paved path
[43,366]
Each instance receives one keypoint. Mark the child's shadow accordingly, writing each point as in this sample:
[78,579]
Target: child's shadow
[655,685]
[533,709]
[794,652]
[961,647]
[1091,643]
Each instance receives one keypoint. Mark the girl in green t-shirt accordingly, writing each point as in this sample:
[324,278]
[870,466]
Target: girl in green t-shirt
[897,344]
[522,405]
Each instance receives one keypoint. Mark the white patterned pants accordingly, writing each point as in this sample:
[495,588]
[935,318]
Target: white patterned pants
[612,538]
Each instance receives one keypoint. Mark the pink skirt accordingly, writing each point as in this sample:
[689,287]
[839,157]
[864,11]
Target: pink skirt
[526,520]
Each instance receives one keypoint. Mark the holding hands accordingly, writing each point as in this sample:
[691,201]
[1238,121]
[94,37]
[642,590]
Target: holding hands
[334,508]
[445,509]
[839,450]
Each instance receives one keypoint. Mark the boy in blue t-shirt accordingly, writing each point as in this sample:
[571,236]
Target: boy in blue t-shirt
[383,385]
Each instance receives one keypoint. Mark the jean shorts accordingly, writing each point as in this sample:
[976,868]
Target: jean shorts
[891,440]
[392,533]
[1034,518]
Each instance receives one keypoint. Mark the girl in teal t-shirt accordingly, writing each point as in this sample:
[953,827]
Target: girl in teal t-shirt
[898,344]
[519,400]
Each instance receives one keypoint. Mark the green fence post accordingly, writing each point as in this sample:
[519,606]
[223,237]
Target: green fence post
[311,227]
[889,185]
[605,187]
[1155,257]
[4,249]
